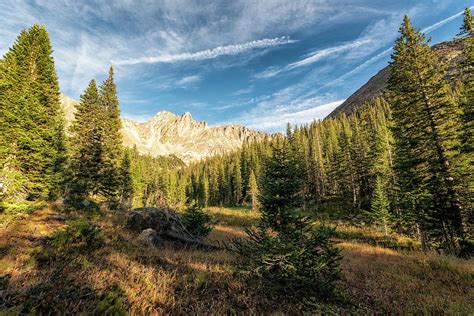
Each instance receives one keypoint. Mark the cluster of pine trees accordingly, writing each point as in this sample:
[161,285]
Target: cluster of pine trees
[405,158]
[39,159]
[98,166]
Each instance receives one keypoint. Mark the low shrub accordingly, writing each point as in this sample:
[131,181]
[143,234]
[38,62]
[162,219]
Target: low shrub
[79,234]
[22,207]
[299,267]
[111,303]
[196,222]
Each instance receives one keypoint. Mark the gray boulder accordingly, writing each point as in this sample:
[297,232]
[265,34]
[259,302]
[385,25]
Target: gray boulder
[149,237]
[162,220]
[165,222]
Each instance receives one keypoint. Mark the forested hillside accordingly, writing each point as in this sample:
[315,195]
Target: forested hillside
[370,212]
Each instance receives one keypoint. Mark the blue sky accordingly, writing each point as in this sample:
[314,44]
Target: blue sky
[260,63]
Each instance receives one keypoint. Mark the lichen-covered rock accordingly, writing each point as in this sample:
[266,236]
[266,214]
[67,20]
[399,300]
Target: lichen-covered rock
[167,225]
[149,237]
[162,220]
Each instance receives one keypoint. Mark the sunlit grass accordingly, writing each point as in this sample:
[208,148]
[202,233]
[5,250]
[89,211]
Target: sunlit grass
[174,279]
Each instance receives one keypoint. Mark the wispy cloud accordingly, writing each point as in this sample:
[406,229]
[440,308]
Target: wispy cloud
[243,91]
[307,111]
[439,24]
[209,53]
[189,80]
[314,57]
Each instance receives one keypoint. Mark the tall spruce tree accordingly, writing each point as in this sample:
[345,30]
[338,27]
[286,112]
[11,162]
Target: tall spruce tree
[112,139]
[32,133]
[86,148]
[380,205]
[427,133]
[253,190]
[125,179]
[281,189]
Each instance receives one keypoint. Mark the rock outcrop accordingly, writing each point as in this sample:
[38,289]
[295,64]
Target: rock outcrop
[149,237]
[166,223]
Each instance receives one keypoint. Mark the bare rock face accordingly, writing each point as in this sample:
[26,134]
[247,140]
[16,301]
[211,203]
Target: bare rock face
[149,237]
[170,134]
[167,134]
[450,53]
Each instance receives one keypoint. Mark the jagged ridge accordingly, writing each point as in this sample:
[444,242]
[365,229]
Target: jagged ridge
[169,134]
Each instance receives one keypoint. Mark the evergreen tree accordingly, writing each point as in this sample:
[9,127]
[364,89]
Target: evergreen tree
[237,182]
[253,190]
[126,184]
[32,135]
[427,136]
[112,139]
[86,148]
[380,205]
[467,28]
[281,187]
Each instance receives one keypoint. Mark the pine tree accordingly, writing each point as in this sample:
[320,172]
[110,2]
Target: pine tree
[281,188]
[86,148]
[380,205]
[112,139]
[253,190]
[126,183]
[467,28]
[32,126]
[427,136]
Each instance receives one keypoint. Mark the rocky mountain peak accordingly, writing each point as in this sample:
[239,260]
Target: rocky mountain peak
[169,134]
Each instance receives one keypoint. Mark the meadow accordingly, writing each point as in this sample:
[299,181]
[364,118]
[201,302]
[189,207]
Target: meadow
[52,262]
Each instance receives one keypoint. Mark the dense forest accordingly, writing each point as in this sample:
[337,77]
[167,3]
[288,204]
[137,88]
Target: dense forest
[402,162]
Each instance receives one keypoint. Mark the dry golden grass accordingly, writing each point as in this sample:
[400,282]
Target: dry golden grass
[174,279]
[409,282]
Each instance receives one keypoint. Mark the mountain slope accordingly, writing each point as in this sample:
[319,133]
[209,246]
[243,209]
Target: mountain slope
[449,52]
[170,134]
[167,133]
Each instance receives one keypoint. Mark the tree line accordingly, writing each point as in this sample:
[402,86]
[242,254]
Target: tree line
[404,159]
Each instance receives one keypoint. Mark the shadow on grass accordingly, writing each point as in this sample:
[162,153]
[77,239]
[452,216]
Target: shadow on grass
[407,282]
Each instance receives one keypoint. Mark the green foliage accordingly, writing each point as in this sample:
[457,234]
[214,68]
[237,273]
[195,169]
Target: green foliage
[31,122]
[125,181]
[380,205]
[197,222]
[286,255]
[79,234]
[428,132]
[253,190]
[22,207]
[294,268]
[281,187]
[96,171]
[467,28]
[112,303]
